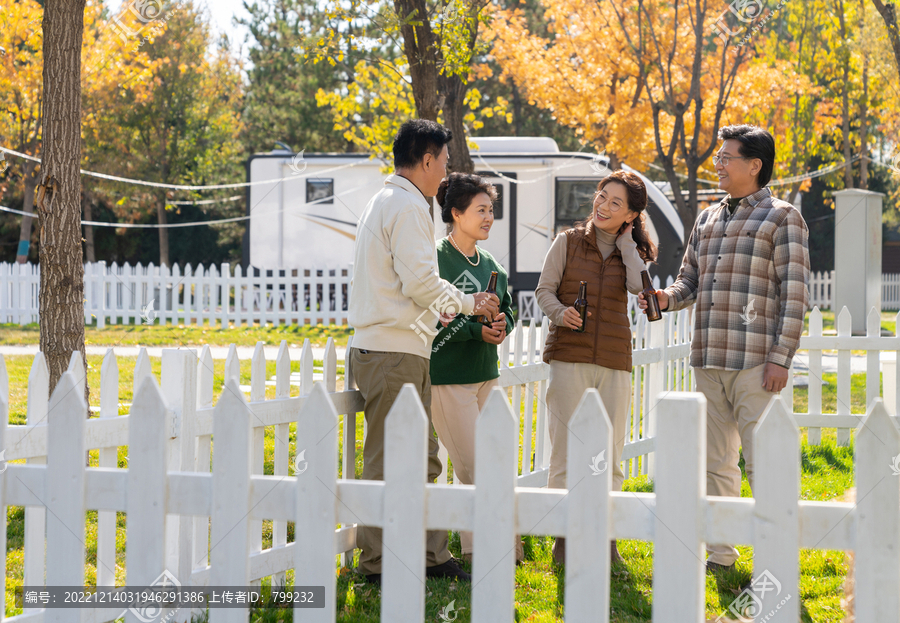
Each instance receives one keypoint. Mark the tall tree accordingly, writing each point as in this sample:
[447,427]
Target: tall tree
[888,12]
[61,299]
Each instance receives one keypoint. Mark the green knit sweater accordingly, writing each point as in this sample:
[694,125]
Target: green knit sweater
[458,355]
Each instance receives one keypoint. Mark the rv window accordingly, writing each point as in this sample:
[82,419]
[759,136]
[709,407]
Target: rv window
[574,199]
[320,190]
[498,204]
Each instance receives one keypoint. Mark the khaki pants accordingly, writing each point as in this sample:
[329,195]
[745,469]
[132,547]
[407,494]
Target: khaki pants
[735,401]
[380,376]
[456,408]
[568,382]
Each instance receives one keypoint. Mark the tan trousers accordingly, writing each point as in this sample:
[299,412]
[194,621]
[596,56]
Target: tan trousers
[735,401]
[568,382]
[380,376]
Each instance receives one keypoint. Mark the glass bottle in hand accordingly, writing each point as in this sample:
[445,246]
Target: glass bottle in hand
[649,292]
[581,306]
[491,289]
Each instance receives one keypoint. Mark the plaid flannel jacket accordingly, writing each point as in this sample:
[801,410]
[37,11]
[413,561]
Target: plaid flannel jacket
[749,275]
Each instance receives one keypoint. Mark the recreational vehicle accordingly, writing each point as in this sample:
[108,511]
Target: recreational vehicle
[304,208]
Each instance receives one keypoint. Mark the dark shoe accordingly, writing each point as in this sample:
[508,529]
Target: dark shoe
[449,569]
[614,555]
[714,567]
[559,550]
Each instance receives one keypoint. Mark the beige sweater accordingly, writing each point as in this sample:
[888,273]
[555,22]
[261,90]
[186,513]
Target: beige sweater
[555,265]
[396,293]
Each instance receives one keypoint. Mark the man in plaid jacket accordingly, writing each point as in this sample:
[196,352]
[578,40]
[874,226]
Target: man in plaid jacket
[746,267]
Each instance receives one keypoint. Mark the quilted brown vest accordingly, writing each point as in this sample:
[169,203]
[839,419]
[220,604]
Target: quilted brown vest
[606,340]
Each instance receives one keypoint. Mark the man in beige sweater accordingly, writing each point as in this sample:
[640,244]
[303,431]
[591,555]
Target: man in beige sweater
[396,299]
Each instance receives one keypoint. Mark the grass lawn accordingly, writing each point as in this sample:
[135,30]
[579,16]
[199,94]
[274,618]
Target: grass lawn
[191,335]
[827,471]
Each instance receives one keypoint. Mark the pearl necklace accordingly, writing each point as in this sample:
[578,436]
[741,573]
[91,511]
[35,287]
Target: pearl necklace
[477,254]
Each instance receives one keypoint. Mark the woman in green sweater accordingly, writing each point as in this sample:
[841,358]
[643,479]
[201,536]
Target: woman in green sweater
[464,355]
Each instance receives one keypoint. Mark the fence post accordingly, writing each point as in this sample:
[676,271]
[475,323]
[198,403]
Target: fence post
[4,422]
[680,487]
[814,433]
[282,447]
[317,503]
[231,498]
[776,513]
[178,379]
[877,517]
[65,489]
[108,457]
[36,516]
[405,468]
[843,322]
[258,435]
[205,380]
[145,555]
[587,530]
[655,386]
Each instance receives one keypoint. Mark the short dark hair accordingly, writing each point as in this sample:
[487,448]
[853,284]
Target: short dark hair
[458,190]
[418,137]
[755,142]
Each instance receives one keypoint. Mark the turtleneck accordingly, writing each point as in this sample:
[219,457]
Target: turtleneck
[606,242]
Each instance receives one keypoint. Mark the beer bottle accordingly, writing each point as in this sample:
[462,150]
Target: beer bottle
[653,313]
[491,289]
[581,306]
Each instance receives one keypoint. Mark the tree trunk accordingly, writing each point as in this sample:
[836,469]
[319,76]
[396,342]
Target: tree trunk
[30,181]
[864,108]
[888,13]
[845,101]
[163,231]
[61,299]
[421,51]
[87,201]
[453,91]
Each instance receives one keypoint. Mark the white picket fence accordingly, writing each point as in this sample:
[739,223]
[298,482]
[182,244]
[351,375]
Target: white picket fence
[170,452]
[821,290]
[205,295]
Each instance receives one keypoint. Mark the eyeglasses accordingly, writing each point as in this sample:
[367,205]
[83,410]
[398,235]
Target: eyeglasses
[724,159]
[613,207]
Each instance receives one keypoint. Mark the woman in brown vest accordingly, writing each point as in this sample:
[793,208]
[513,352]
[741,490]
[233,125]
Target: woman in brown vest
[608,250]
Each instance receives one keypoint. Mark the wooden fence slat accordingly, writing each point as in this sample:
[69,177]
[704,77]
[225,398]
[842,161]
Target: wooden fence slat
[843,376]
[589,481]
[108,457]
[142,370]
[776,515]
[65,489]
[873,359]
[282,448]
[678,541]
[329,366]
[35,516]
[230,565]
[317,502]
[877,565]
[306,368]
[205,380]
[258,461]
[814,434]
[405,468]
[4,423]
[496,458]
[232,365]
[145,554]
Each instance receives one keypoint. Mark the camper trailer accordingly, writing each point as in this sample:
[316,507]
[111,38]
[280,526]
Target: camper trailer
[304,208]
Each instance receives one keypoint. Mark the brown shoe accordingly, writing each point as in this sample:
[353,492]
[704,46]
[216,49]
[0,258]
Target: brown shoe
[614,555]
[559,550]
